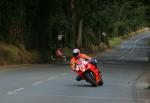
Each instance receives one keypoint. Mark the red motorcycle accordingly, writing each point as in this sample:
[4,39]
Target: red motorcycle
[88,71]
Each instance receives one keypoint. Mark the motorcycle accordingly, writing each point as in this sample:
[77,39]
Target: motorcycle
[89,72]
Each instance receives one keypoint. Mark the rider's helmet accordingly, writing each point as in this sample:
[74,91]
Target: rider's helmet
[76,52]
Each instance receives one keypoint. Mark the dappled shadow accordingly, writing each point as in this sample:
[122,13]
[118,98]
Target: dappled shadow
[123,61]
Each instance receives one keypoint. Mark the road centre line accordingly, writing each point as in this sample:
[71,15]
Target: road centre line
[132,50]
[37,83]
[50,78]
[54,77]
[64,74]
[15,91]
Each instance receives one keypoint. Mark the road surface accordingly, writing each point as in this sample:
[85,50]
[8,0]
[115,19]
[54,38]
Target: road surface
[123,68]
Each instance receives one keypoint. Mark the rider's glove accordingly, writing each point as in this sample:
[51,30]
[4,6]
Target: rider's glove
[73,69]
[76,68]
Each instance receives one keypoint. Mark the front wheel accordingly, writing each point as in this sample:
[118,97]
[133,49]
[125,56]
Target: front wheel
[89,76]
[100,83]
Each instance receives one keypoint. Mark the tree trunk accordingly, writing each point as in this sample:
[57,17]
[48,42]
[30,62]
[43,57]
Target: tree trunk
[73,22]
[79,39]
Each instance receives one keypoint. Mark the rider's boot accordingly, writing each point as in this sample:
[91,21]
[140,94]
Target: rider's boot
[78,78]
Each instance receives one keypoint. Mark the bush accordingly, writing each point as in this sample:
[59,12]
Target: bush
[149,56]
[11,54]
[8,53]
[96,48]
[149,51]
[103,46]
[149,43]
[67,52]
[114,41]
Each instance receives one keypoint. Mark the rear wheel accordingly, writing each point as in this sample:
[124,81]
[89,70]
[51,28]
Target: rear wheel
[89,76]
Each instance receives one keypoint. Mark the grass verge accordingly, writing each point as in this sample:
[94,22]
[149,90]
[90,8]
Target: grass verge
[114,41]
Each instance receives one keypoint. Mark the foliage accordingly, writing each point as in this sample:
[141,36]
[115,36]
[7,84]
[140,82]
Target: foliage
[36,23]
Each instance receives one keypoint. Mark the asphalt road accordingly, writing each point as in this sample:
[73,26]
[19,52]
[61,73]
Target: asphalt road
[122,67]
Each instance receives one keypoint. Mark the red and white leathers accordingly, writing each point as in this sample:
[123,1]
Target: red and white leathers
[75,60]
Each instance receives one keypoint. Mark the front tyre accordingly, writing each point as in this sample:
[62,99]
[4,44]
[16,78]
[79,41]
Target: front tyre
[90,78]
[100,83]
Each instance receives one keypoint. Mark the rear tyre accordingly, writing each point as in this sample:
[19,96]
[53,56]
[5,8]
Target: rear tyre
[90,78]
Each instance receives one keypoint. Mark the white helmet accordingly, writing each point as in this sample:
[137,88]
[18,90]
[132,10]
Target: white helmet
[76,52]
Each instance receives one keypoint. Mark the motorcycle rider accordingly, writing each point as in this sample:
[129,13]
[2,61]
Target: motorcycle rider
[75,60]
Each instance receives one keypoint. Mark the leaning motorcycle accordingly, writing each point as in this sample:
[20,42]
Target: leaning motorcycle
[89,72]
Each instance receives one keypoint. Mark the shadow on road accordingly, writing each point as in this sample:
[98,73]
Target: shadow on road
[129,61]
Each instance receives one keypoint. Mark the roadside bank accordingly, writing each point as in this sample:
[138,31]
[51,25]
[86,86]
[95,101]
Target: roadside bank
[144,81]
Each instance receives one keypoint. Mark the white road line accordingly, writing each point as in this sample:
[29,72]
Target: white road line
[132,50]
[58,76]
[37,83]
[20,89]
[107,98]
[53,77]
[64,74]
[11,93]
[50,78]
[15,91]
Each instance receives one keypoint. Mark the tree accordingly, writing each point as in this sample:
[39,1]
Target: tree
[36,23]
